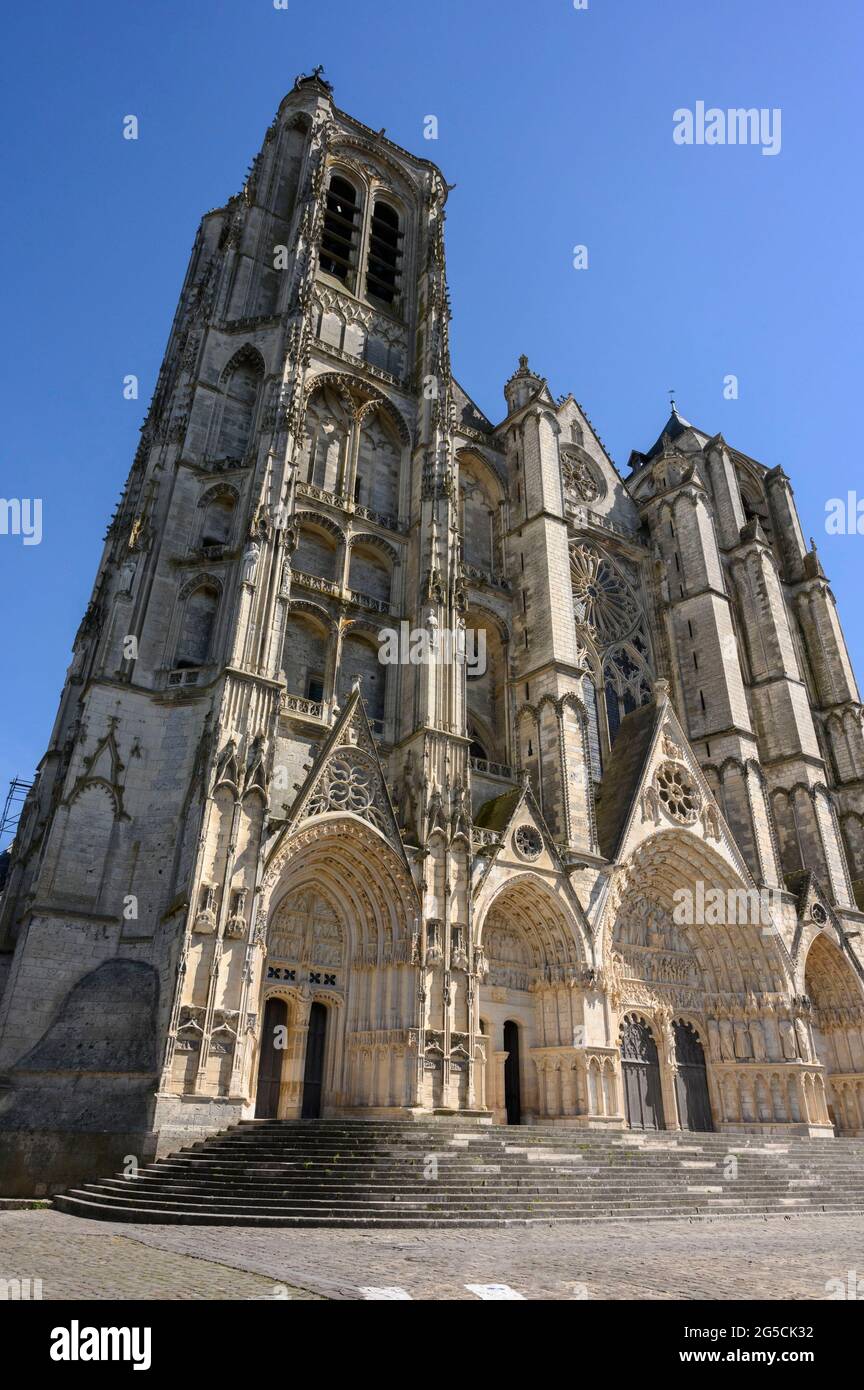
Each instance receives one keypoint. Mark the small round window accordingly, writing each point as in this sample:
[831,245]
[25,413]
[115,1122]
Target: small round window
[678,793]
[528,842]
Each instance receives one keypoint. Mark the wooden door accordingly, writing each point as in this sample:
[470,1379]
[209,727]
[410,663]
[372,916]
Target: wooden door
[273,1035]
[691,1082]
[313,1071]
[641,1069]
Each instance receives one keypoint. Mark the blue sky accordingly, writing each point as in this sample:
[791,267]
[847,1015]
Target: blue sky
[556,127]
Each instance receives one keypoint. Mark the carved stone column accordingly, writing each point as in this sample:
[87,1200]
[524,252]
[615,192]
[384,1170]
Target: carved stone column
[668,1073]
[569,1105]
[497,1101]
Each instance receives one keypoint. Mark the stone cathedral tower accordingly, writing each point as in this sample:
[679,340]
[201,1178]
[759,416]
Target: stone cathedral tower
[589,849]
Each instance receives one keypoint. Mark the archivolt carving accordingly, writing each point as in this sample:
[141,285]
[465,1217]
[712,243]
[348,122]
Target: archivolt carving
[203,579]
[369,539]
[325,523]
[247,353]
[217,493]
[357,394]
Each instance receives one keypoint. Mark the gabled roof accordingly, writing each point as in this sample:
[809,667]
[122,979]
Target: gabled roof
[622,775]
[675,426]
[630,806]
[495,814]
[468,413]
[806,886]
[505,815]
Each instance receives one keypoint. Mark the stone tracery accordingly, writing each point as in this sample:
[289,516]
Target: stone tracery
[605,603]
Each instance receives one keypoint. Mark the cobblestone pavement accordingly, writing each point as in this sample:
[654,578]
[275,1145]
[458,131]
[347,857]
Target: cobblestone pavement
[98,1261]
[776,1259]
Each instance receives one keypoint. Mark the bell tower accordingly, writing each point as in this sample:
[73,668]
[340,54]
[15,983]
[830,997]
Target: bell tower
[292,497]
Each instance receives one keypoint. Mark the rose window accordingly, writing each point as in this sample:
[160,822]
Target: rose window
[603,600]
[678,793]
[581,479]
[528,842]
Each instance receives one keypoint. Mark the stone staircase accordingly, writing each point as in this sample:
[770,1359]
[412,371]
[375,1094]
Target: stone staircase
[359,1173]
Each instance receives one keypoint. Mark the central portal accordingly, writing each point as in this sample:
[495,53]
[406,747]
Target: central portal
[531,1004]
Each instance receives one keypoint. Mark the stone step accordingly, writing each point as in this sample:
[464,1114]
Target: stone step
[362,1173]
[491,1207]
[839,1149]
[490,1197]
[99,1211]
[692,1196]
[525,1137]
[564,1182]
[470,1152]
[420,1173]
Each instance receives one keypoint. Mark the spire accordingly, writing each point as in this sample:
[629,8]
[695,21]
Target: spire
[676,425]
[522,385]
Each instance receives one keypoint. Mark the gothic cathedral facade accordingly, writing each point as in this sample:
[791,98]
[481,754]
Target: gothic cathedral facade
[587,849]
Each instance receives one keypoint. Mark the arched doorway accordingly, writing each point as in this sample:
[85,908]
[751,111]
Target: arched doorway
[837,1021]
[641,1071]
[691,1079]
[339,904]
[532,967]
[313,1067]
[306,942]
[512,1085]
[688,934]
[273,1036]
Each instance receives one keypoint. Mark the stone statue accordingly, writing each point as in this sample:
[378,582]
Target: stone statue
[757,1040]
[787,1039]
[251,556]
[727,1040]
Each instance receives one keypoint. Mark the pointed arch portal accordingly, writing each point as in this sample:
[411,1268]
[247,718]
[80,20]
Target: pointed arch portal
[837,1001]
[531,1001]
[694,952]
[339,907]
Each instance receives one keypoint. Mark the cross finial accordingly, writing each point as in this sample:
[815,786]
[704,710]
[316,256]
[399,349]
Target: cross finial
[671,394]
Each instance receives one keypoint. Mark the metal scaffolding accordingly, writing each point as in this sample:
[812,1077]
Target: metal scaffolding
[15,797]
